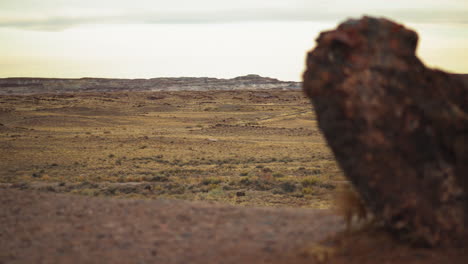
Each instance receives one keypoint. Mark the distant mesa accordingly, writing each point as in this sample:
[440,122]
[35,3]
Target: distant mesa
[87,84]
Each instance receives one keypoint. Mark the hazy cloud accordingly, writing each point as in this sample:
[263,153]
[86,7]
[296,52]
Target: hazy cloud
[55,15]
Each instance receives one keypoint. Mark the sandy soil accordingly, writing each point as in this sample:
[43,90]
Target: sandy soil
[56,228]
[41,227]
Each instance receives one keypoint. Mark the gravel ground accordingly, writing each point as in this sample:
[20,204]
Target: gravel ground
[40,227]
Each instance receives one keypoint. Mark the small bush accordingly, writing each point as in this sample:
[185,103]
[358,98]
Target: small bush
[288,187]
[157,178]
[278,175]
[307,190]
[310,182]
[209,181]
[245,181]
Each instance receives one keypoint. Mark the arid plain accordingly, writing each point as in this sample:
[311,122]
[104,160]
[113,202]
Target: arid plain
[249,147]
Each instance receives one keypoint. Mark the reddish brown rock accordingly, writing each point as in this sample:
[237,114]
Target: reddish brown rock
[398,129]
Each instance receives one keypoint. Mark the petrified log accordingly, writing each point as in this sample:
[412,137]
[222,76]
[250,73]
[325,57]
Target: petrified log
[398,129]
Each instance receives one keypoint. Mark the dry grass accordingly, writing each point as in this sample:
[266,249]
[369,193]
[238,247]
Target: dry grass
[189,145]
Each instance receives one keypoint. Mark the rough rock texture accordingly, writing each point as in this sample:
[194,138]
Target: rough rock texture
[398,129]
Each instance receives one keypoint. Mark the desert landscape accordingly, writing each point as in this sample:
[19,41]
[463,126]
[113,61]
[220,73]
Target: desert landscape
[177,176]
[255,148]
[245,147]
[364,160]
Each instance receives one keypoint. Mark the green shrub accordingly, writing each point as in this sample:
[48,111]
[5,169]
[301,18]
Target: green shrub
[310,182]
[307,190]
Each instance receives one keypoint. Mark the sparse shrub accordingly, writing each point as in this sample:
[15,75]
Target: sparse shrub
[111,156]
[259,166]
[135,179]
[297,195]
[278,175]
[310,182]
[245,181]
[87,192]
[277,191]
[176,189]
[307,190]
[243,174]
[216,191]
[208,181]
[157,178]
[239,194]
[316,171]
[121,179]
[288,187]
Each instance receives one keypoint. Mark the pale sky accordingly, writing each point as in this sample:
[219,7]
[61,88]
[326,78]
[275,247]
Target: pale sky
[213,38]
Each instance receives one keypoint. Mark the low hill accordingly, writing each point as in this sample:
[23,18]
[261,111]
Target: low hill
[52,85]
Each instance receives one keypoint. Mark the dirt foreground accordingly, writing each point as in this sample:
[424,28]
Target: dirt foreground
[40,227]
[56,228]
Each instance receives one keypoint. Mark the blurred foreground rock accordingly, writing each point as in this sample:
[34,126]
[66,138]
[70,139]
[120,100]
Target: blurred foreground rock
[398,129]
